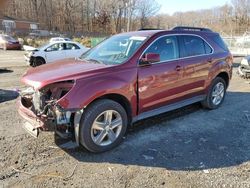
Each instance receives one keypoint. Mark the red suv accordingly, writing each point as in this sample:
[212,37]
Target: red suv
[126,78]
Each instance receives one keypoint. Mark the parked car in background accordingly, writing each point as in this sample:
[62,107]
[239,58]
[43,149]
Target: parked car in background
[244,68]
[56,39]
[54,51]
[126,78]
[9,43]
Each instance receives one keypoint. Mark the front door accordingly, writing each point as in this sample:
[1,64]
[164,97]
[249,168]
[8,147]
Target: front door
[55,52]
[159,83]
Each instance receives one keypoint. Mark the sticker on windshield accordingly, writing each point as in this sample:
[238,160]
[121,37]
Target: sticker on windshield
[138,38]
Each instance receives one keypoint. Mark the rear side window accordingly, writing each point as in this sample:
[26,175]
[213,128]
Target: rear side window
[71,46]
[218,40]
[194,46]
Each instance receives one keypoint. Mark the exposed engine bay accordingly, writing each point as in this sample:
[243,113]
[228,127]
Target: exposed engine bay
[43,103]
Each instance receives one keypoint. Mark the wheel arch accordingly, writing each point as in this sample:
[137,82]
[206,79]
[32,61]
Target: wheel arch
[34,58]
[122,100]
[40,57]
[224,76]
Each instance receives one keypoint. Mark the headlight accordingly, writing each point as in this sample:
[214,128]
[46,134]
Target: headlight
[50,94]
[59,89]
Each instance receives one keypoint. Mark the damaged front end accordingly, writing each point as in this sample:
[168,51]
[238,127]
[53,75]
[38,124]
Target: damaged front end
[42,112]
[244,68]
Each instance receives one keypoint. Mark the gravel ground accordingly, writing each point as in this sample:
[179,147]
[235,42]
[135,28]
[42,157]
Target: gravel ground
[190,147]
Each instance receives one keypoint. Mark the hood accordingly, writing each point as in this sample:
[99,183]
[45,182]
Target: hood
[68,69]
[29,48]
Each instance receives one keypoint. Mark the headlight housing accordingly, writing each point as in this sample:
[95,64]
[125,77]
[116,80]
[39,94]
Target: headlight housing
[57,90]
[51,94]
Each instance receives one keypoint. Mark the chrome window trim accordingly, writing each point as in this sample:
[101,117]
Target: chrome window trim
[181,58]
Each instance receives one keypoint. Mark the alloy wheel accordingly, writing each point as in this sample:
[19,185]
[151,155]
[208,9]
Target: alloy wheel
[106,128]
[218,93]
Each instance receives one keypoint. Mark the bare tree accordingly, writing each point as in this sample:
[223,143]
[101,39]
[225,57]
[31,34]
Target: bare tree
[146,9]
[114,16]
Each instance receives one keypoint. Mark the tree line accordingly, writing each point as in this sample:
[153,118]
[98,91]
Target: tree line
[104,16]
[233,18]
[115,16]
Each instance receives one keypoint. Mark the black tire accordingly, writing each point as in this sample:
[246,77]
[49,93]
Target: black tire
[38,61]
[88,118]
[208,103]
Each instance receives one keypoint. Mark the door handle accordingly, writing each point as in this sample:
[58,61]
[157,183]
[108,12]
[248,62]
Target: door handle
[178,68]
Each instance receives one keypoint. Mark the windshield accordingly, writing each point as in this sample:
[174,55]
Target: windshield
[114,50]
[44,46]
[9,38]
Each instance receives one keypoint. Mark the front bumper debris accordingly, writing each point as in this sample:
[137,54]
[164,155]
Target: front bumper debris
[41,112]
[33,123]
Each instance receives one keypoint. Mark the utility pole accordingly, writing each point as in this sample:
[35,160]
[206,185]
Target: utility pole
[129,7]
[82,16]
[88,25]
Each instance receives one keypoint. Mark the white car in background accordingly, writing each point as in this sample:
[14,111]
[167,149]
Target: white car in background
[53,52]
[57,39]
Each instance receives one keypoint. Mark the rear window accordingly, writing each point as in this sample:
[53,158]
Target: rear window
[71,46]
[194,46]
[218,40]
[8,38]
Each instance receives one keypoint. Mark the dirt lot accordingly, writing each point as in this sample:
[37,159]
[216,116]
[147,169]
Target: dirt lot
[190,147]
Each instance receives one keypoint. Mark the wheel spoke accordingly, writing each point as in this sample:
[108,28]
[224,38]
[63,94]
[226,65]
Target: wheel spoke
[215,100]
[111,135]
[221,91]
[108,116]
[214,94]
[100,137]
[218,93]
[106,127]
[98,126]
[117,122]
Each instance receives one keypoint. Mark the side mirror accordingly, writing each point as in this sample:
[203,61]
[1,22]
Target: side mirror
[150,58]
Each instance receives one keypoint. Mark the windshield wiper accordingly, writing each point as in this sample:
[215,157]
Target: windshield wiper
[95,60]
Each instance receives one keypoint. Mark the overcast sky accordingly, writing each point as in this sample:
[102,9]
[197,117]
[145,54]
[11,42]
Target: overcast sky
[171,6]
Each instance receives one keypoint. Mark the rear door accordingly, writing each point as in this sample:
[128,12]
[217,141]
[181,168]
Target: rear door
[72,50]
[196,59]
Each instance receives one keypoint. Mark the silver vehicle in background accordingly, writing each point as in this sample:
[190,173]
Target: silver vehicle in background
[244,68]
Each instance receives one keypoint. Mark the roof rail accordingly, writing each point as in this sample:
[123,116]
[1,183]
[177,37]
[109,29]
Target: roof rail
[184,28]
[147,29]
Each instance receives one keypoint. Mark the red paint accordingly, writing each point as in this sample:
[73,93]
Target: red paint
[158,84]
